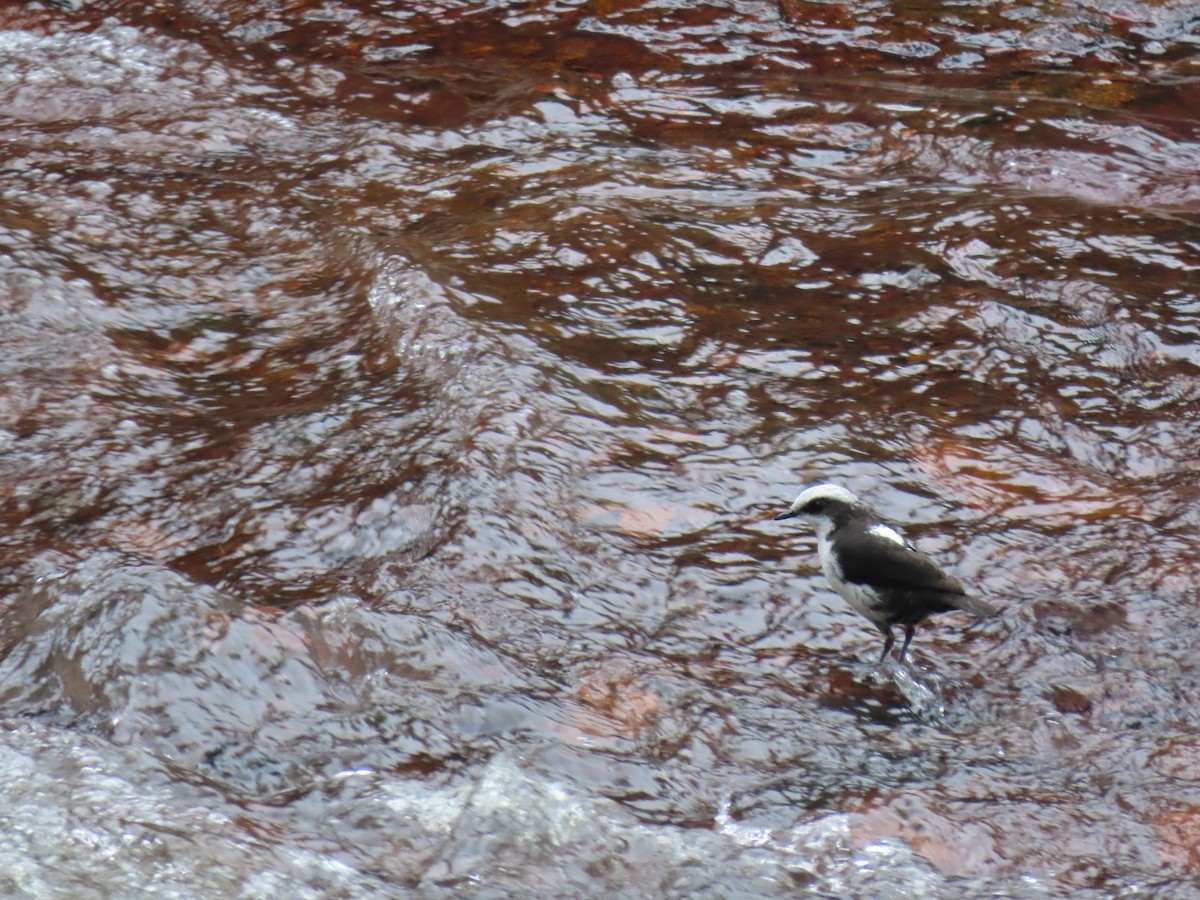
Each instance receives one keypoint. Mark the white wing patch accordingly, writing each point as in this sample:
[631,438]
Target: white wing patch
[889,533]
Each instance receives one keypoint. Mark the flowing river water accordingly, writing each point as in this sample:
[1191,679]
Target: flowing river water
[397,396]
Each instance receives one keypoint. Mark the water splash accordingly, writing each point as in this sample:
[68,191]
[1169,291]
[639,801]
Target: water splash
[924,691]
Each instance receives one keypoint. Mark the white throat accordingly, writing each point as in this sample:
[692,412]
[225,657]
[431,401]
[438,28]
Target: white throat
[822,526]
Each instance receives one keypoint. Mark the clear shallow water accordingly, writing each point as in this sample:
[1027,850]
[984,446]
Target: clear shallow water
[398,399]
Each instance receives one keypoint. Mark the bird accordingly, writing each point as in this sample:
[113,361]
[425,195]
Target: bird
[875,568]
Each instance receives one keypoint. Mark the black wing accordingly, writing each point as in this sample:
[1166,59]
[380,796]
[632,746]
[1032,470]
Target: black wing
[880,562]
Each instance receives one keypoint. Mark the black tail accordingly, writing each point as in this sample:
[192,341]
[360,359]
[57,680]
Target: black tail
[973,605]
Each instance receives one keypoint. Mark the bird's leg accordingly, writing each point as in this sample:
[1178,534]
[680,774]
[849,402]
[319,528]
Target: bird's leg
[889,641]
[909,631]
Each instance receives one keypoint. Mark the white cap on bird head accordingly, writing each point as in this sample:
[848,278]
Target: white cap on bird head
[819,492]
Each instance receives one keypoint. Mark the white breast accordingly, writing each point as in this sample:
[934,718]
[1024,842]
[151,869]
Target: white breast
[862,599]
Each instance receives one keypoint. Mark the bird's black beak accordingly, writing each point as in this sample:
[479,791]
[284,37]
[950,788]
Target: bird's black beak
[787,515]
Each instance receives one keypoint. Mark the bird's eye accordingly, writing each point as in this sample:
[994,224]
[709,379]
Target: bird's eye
[814,506]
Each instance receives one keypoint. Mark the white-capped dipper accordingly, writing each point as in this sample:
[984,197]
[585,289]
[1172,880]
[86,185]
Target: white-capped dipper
[881,575]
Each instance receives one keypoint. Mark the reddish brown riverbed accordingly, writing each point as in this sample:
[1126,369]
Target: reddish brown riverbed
[397,397]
